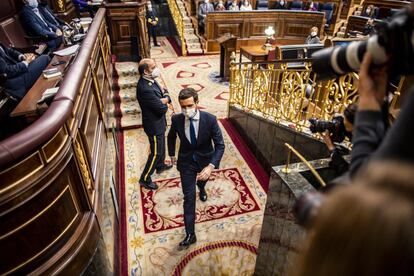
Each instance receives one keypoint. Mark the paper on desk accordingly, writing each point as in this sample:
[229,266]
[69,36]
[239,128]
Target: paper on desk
[67,51]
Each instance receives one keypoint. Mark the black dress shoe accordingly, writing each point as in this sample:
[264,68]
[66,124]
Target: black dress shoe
[163,168]
[188,240]
[203,195]
[157,45]
[148,185]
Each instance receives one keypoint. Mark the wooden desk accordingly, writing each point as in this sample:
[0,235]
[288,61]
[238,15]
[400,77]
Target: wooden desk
[28,106]
[253,53]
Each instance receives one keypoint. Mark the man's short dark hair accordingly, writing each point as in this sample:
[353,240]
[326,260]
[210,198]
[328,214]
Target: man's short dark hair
[188,93]
[142,67]
[350,112]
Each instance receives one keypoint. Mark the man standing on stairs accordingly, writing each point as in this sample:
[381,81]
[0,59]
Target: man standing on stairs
[203,10]
[197,157]
[153,100]
[152,22]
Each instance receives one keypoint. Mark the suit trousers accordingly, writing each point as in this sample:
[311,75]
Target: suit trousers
[18,86]
[54,43]
[152,32]
[155,158]
[188,184]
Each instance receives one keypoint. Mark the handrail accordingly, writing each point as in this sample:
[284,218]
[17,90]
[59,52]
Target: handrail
[306,162]
[179,23]
[43,129]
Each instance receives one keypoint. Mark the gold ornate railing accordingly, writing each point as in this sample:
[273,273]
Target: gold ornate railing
[179,23]
[288,95]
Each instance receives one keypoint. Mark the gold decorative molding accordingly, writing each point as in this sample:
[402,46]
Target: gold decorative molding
[61,5]
[83,164]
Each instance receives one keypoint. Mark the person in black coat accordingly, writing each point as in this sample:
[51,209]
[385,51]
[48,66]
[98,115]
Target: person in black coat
[197,157]
[152,22]
[35,24]
[153,100]
[21,71]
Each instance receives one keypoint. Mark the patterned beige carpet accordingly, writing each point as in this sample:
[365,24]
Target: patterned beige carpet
[176,73]
[228,225]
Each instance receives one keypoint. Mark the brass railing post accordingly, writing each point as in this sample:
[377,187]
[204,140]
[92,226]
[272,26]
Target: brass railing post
[311,168]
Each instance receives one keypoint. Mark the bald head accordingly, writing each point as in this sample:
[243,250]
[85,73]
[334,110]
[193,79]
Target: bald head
[146,66]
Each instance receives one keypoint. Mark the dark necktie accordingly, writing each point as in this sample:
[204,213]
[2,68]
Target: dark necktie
[193,137]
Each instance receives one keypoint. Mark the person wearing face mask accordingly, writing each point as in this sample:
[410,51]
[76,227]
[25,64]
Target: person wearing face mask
[198,131]
[153,100]
[234,6]
[220,6]
[369,11]
[152,22]
[281,5]
[246,6]
[203,10]
[35,24]
[313,36]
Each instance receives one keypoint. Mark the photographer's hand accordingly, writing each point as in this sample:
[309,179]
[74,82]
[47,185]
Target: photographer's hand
[372,85]
[328,141]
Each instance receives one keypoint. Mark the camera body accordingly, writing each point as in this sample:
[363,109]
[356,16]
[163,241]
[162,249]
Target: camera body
[394,42]
[335,127]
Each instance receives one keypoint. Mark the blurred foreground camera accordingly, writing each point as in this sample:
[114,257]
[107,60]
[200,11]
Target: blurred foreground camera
[307,207]
[395,38]
[335,127]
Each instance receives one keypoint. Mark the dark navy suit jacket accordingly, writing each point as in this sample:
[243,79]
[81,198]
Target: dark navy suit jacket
[49,16]
[35,26]
[208,133]
[10,64]
[152,109]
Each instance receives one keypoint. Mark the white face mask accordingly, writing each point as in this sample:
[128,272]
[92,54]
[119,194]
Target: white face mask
[206,1]
[156,73]
[32,3]
[149,8]
[282,3]
[368,11]
[189,112]
[313,33]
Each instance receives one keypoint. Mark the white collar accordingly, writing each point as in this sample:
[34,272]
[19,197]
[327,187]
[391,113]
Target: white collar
[148,79]
[196,116]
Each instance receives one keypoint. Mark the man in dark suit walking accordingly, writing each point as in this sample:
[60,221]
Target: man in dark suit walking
[20,71]
[35,24]
[153,100]
[197,157]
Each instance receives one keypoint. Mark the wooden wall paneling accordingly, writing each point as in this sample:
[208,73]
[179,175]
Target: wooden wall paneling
[64,9]
[49,193]
[48,217]
[9,8]
[126,21]
[249,26]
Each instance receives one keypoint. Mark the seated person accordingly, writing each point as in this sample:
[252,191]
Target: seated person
[369,27]
[47,13]
[220,6]
[203,10]
[37,25]
[313,36]
[234,6]
[82,5]
[21,71]
[313,7]
[369,11]
[281,5]
[246,6]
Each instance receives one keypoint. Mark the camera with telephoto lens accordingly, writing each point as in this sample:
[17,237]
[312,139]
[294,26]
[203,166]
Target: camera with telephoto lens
[335,127]
[394,42]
